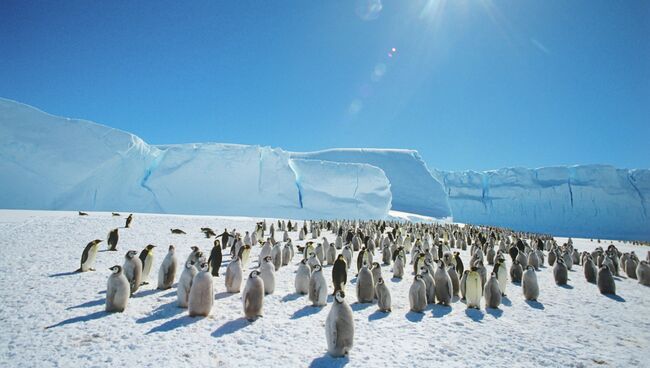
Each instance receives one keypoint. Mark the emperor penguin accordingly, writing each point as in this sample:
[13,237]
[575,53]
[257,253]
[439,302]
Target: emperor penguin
[234,275]
[320,253]
[128,221]
[429,284]
[133,270]
[590,270]
[185,283]
[167,270]
[287,253]
[522,259]
[630,267]
[365,285]
[266,251]
[267,274]
[276,256]
[253,296]
[560,272]
[195,256]
[385,254]
[312,261]
[568,260]
[455,281]
[383,296]
[398,266]
[502,275]
[146,257]
[303,275]
[201,293]
[113,237]
[443,284]
[117,290]
[529,284]
[492,292]
[339,326]
[473,289]
[605,282]
[376,273]
[317,287]
[516,271]
[552,256]
[89,255]
[330,254]
[533,260]
[244,256]
[463,283]
[339,273]
[460,268]
[347,254]
[418,295]
[643,272]
[215,258]
[418,262]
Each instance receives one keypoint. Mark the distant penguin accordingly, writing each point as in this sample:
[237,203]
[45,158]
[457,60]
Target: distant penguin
[234,276]
[605,281]
[82,213]
[492,292]
[590,270]
[146,257]
[215,258]
[317,287]
[339,273]
[516,272]
[267,274]
[88,256]
[185,283]
[167,270]
[201,293]
[339,327]
[128,221]
[303,275]
[643,272]
[177,231]
[529,284]
[365,285]
[115,214]
[113,238]
[253,296]
[418,295]
[383,296]
[473,289]
[133,270]
[560,272]
[117,290]
[444,288]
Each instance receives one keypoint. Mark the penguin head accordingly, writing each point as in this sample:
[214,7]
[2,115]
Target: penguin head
[172,248]
[418,277]
[268,259]
[380,281]
[304,261]
[130,254]
[150,247]
[203,266]
[217,243]
[194,248]
[254,274]
[339,296]
[423,270]
[375,265]
[116,269]
[317,268]
[97,241]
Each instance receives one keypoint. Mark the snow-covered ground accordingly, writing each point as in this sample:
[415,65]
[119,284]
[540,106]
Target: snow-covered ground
[569,326]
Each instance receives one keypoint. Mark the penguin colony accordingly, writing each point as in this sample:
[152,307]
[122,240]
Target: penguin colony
[424,253]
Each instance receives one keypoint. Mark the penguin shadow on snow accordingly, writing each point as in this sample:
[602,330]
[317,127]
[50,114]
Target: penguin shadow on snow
[615,297]
[162,312]
[440,310]
[174,323]
[475,314]
[60,274]
[86,318]
[305,311]
[231,327]
[291,297]
[327,361]
[535,304]
[506,301]
[566,286]
[494,312]
[377,315]
[360,306]
[395,279]
[143,293]
[94,303]
[223,295]
[414,316]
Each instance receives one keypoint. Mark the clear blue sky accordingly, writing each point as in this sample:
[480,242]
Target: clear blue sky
[471,85]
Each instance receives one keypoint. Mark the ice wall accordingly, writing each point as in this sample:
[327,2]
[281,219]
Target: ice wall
[597,201]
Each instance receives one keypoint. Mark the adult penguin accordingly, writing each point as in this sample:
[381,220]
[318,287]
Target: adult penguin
[88,256]
[418,294]
[605,282]
[473,289]
[502,274]
[117,290]
[253,296]
[146,257]
[317,287]
[113,238]
[167,271]
[128,221]
[529,284]
[215,258]
[185,283]
[339,327]
[201,293]
[234,276]
[460,268]
[339,273]
[492,292]
[133,270]
[560,272]
[303,275]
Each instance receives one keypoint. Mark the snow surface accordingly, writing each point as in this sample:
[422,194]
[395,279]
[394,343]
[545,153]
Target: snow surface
[569,326]
[583,200]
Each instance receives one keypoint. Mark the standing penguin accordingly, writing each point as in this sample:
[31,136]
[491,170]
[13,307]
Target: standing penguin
[133,270]
[253,296]
[398,265]
[146,257]
[201,293]
[529,284]
[418,295]
[339,273]
[590,270]
[516,272]
[339,327]
[167,271]
[117,290]
[443,284]
[317,287]
[560,272]
[455,282]
[460,268]
[287,253]
[128,221]
[605,282]
[430,285]
[643,272]
[303,275]
[215,258]
[234,276]
[492,292]
[113,237]
[365,285]
[473,289]
[383,296]
[276,256]
[88,256]
[185,284]
[267,274]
